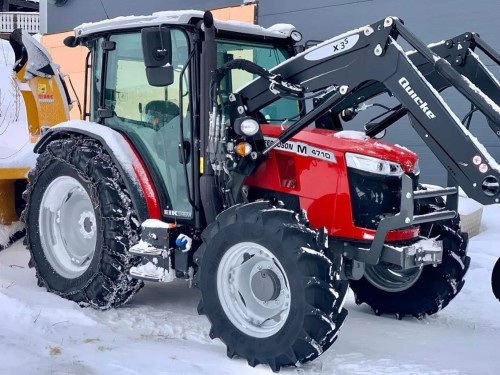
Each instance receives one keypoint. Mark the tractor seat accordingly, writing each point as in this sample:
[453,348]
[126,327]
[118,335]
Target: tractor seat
[160,112]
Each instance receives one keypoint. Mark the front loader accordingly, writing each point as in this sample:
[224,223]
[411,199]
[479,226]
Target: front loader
[203,160]
[34,97]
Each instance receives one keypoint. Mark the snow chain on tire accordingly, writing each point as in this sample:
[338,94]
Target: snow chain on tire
[317,292]
[106,284]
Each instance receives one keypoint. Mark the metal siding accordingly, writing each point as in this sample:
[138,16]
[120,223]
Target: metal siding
[76,12]
[430,20]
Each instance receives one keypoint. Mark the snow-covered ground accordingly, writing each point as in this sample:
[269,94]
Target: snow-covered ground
[159,331]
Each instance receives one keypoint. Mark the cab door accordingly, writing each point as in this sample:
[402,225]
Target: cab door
[150,116]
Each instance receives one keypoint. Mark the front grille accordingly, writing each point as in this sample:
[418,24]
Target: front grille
[373,197]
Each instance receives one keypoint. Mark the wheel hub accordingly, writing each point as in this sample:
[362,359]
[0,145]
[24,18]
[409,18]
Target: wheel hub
[253,289]
[266,285]
[68,227]
[87,224]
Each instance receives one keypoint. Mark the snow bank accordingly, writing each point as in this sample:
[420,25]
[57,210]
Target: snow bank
[7,232]
[467,206]
[159,330]
[14,134]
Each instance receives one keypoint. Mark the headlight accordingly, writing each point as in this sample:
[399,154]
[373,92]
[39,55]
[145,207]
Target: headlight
[416,168]
[249,127]
[373,165]
[246,126]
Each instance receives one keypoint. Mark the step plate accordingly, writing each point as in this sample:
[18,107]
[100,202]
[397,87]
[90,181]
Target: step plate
[144,249]
[149,272]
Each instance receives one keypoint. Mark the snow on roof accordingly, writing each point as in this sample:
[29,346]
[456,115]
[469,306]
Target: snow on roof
[180,17]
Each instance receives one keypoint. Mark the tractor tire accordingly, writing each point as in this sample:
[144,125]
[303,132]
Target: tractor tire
[495,280]
[268,290]
[423,291]
[80,224]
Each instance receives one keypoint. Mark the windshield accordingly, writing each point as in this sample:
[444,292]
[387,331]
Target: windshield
[264,55]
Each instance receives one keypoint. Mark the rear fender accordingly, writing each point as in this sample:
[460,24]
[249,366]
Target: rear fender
[134,174]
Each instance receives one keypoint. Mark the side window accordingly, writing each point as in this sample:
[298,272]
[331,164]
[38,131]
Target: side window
[127,89]
[96,77]
[152,113]
[264,55]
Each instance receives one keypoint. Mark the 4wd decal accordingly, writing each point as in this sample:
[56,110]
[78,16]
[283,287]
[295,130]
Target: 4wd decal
[302,149]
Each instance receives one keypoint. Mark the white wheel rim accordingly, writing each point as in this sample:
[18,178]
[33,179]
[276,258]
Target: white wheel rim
[68,227]
[253,289]
[391,279]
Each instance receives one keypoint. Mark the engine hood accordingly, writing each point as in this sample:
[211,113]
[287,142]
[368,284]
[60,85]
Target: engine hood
[340,142]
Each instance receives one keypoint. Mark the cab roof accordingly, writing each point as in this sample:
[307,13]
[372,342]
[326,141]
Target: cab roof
[181,17]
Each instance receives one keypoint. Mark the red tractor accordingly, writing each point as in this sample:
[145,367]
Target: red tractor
[216,154]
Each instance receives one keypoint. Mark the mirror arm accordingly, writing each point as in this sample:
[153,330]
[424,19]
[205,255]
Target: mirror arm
[162,51]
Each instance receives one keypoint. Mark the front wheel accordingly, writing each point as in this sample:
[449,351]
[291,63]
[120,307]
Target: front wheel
[271,294]
[418,291]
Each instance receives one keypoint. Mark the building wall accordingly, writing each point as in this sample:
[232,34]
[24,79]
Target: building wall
[75,12]
[430,20]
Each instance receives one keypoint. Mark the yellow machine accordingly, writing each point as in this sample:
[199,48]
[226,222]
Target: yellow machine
[33,96]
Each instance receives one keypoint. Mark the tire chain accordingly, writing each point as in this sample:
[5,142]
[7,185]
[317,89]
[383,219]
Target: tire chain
[125,258]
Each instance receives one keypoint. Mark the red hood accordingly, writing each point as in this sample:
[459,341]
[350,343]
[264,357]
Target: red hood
[350,141]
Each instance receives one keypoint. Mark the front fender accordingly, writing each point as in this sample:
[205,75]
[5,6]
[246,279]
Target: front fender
[131,167]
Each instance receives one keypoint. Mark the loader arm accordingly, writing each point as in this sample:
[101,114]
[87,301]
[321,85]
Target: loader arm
[362,58]
[459,52]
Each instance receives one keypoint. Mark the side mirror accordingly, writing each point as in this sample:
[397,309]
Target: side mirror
[157,52]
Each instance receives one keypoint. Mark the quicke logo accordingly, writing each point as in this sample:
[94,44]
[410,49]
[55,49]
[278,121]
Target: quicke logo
[422,105]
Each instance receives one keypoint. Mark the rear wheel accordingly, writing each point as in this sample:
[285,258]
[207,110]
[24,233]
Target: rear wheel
[418,291]
[270,293]
[80,223]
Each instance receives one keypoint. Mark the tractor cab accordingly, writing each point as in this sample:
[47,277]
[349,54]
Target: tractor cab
[145,85]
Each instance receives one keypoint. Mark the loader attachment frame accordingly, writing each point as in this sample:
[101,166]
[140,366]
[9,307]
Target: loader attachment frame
[342,62]
[459,52]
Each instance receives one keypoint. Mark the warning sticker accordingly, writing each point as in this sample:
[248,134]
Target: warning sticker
[42,88]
